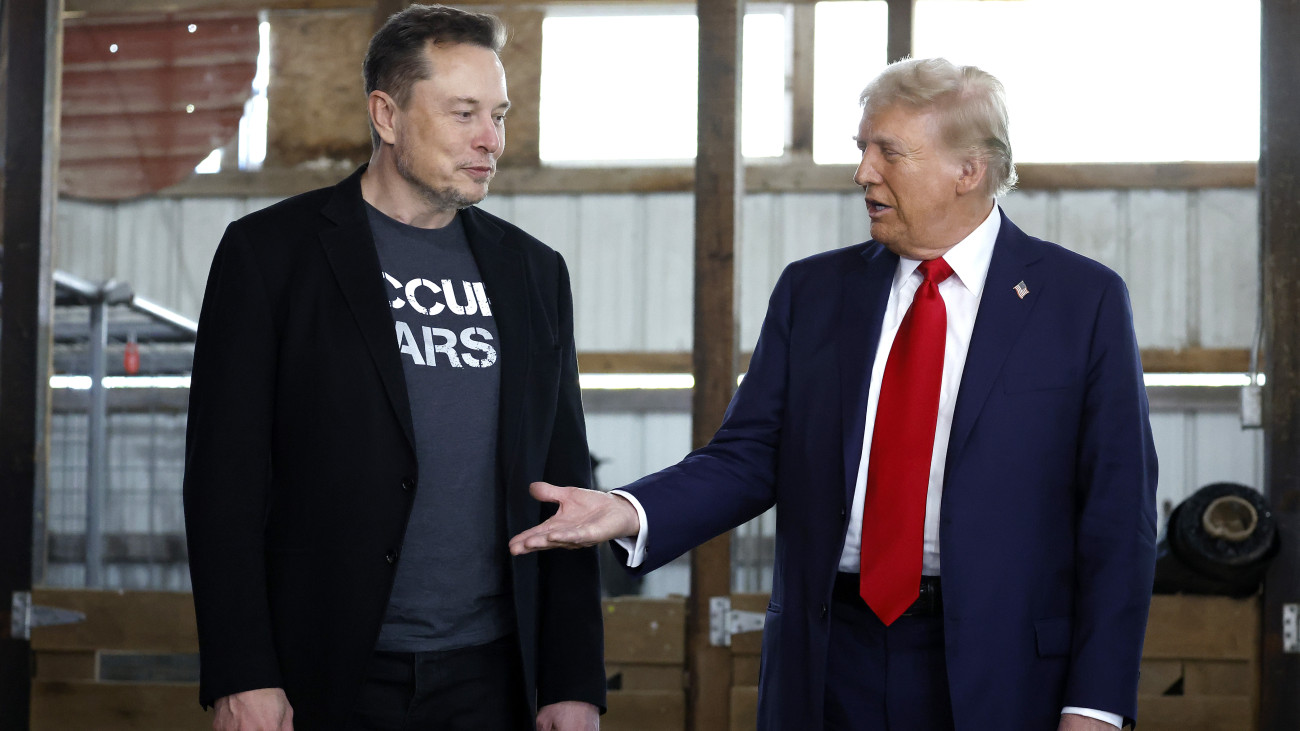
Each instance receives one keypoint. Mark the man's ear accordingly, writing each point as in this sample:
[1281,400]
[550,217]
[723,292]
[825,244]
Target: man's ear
[971,176]
[382,110]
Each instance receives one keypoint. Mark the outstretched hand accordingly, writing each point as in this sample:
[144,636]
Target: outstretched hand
[585,518]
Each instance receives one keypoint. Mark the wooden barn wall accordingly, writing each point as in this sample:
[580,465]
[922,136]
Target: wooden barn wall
[1190,259]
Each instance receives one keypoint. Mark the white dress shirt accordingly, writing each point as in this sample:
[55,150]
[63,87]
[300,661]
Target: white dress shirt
[961,293]
[969,260]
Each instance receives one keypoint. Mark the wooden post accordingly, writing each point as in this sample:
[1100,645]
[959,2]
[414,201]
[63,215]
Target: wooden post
[31,60]
[900,29]
[802,79]
[384,9]
[1279,206]
[522,58]
[719,183]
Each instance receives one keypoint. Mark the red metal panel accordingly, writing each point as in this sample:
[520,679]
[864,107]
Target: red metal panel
[165,41]
[145,99]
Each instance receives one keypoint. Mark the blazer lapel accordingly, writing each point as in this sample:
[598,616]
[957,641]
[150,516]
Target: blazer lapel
[1002,315]
[864,297]
[505,280]
[350,249]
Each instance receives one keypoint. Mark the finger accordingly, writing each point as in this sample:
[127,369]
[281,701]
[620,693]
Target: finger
[548,493]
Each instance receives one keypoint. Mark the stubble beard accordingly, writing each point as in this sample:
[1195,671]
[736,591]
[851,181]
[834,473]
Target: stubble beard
[447,198]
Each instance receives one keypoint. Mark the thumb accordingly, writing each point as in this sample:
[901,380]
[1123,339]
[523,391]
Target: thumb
[548,493]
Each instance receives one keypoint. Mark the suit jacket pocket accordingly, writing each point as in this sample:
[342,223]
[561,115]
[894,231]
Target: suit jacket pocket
[1053,636]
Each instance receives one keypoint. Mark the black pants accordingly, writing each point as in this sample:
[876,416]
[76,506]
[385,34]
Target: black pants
[882,678]
[469,689]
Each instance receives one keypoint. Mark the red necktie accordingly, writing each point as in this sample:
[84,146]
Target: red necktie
[898,473]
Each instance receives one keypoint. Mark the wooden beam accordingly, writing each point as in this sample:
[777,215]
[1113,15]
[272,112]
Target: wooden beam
[522,57]
[31,50]
[1196,360]
[1154,360]
[1135,175]
[790,177]
[802,79]
[1279,205]
[190,6]
[385,9]
[719,186]
[899,44]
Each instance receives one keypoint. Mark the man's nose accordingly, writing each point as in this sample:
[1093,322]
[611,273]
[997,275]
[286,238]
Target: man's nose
[866,173]
[491,137]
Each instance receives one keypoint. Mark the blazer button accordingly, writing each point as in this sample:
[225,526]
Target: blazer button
[408,484]
[823,611]
[391,557]
[843,513]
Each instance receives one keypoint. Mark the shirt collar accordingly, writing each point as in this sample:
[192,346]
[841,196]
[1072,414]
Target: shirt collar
[969,259]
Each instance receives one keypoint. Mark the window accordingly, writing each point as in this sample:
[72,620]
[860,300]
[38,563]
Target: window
[622,87]
[850,48]
[1096,80]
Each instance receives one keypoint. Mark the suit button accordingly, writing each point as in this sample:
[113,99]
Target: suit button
[391,557]
[823,611]
[843,513]
[408,484]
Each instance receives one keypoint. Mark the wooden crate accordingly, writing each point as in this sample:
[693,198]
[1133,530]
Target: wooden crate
[746,650]
[1207,648]
[645,653]
[69,690]
[1200,665]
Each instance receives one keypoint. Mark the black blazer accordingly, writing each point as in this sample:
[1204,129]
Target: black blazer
[300,458]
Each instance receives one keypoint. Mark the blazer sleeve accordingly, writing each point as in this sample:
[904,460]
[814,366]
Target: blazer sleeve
[571,636]
[1116,536]
[227,474]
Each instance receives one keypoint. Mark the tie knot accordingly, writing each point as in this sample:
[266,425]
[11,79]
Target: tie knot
[935,270]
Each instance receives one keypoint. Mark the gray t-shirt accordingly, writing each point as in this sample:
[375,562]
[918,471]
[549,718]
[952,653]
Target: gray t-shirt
[451,588]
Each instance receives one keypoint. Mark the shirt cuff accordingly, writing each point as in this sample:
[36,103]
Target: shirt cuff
[634,545]
[1113,719]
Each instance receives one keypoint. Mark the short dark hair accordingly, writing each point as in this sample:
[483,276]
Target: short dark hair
[396,60]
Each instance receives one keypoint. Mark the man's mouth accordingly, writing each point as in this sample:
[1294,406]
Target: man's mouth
[480,171]
[876,209]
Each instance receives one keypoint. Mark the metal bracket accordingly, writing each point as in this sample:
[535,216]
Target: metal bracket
[725,621]
[1291,628]
[26,615]
[1252,406]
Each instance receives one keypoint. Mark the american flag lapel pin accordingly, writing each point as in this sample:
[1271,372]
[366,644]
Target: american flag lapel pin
[1021,289]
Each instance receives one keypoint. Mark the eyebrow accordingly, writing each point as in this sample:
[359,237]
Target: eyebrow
[882,140]
[475,102]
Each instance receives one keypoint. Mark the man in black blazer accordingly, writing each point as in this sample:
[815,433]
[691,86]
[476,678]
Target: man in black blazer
[381,370]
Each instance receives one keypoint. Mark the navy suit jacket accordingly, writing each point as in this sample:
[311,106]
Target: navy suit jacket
[1047,528]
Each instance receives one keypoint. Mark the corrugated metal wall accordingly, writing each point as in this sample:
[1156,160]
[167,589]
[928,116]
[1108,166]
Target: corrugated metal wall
[1190,259]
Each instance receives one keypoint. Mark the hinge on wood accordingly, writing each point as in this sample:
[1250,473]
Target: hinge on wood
[725,621]
[1291,628]
[25,615]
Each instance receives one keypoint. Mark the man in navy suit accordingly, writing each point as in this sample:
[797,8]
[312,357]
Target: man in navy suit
[1018,518]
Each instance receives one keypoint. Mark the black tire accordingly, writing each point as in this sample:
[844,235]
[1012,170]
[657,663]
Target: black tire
[1235,562]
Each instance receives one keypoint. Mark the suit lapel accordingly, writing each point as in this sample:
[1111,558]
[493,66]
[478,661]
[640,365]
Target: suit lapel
[864,298]
[505,280]
[350,249]
[1002,315]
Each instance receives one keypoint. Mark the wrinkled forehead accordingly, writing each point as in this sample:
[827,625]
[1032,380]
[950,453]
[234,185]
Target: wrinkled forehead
[898,119]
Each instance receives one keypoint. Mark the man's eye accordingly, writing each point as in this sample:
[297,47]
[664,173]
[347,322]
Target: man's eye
[500,118]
